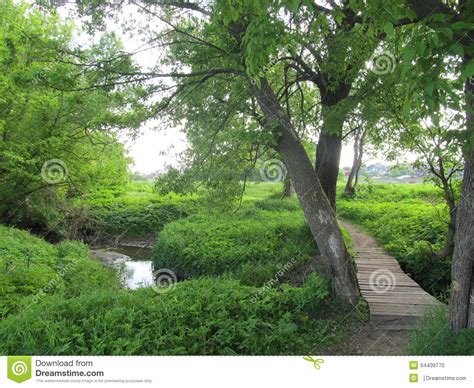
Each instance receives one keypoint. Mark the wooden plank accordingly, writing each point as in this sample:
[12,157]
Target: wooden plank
[400,300]
[401,309]
[388,287]
[377,267]
[405,293]
[401,305]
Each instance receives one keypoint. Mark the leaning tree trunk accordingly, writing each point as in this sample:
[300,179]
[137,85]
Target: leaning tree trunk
[287,187]
[316,206]
[461,301]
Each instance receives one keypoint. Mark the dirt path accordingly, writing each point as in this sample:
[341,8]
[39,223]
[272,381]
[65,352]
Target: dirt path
[370,340]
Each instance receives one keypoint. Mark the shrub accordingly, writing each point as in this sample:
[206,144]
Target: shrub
[175,181]
[278,205]
[432,336]
[396,192]
[206,316]
[250,245]
[34,269]
[135,217]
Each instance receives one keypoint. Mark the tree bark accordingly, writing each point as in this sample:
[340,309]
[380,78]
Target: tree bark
[448,248]
[461,302]
[316,206]
[328,150]
[328,156]
[461,306]
[287,187]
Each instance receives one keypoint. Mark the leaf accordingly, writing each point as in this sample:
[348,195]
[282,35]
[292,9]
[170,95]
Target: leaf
[289,328]
[293,5]
[469,69]
[458,49]
[429,88]
[407,58]
[406,107]
[388,29]
[460,26]
[446,31]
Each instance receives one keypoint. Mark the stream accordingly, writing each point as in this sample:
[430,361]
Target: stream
[134,264]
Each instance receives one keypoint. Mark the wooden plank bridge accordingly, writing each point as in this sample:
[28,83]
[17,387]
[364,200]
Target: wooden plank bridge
[395,300]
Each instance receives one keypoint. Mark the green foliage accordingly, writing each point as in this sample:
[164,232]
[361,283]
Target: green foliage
[135,216]
[278,204]
[175,181]
[250,245]
[394,192]
[206,317]
[409,228]
[33,269]
[51,117]
[432,336]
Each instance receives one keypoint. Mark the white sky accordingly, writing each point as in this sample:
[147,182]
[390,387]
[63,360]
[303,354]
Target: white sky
[157,146]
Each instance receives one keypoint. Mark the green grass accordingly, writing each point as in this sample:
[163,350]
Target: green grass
[262,190]
[237,299]
[396,192]
[250,245]
[207,316]
[432,336]
[85,311]
[33,269]
[135,216]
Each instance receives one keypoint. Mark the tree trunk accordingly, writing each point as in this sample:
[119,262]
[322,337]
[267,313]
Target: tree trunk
[356,164]
[328,151]
[448,248]
[287,187]
[316,206]
[328,155]
[461,302]
[461,306]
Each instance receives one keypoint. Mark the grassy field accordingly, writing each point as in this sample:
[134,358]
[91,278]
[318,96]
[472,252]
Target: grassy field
[247,283]
[248,288]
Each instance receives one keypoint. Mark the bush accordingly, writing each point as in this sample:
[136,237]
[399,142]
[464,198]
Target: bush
[207,316]
[175,181]
[34,269]
[432,336]
[135,217]
[396,192]
[251,245]
[278,205]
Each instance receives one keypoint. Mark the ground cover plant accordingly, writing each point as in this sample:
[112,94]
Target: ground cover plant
[207,316]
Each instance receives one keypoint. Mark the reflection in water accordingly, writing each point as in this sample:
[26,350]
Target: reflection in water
[134,262]
[138,274]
